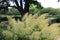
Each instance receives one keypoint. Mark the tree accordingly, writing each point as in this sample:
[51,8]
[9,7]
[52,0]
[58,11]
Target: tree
[26,6]
[4,6]
[20,7]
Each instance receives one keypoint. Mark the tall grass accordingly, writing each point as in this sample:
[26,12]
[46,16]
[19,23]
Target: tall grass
[32,27]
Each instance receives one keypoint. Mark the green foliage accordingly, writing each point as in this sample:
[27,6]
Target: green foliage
[51,11]
[3,18]
[3,26]
[32,28]
[58,12]
[8,35]
[13,11]
[3,11]
[35,8]
[46,10]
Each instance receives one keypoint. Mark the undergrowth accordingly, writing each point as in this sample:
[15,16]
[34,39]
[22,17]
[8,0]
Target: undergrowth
[32,27]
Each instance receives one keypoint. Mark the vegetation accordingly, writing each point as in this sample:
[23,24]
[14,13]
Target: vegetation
[34,21]
[18,4]
[13,11]
[32,27]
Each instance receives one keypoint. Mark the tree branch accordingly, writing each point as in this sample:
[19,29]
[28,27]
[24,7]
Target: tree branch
[16,2]
[21,3]
[27,5]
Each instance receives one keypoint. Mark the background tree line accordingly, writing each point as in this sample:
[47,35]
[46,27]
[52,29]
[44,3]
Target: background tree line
[30,6]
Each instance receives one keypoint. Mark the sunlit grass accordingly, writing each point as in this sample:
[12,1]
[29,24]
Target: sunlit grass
[32,28]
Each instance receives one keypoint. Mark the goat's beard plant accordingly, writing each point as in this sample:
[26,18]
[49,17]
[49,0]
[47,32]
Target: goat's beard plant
[32,27]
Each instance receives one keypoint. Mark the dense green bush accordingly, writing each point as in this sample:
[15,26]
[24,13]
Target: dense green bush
[3,26]
[13,11]
[3,19]
[35,9]
[46,10]
[51,11]
[58,12]
[3,11]
[32,28]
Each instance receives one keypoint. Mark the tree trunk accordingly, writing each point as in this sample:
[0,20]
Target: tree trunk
[20,8]
[26,9]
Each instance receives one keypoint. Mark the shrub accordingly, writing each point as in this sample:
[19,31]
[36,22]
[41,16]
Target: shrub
[3,26]
[32,27]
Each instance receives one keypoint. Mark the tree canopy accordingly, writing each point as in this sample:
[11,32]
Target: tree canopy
[18,5]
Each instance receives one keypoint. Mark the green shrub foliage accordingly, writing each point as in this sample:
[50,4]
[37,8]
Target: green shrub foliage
[32,27]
